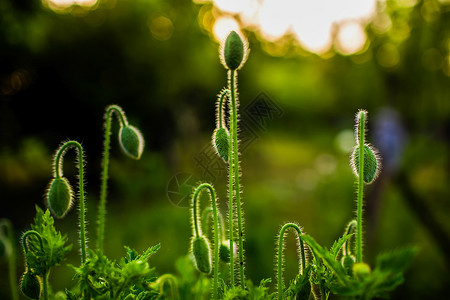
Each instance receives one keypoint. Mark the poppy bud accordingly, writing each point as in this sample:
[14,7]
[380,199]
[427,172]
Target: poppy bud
[221,139]
[131,141]
[31,285]
[371,163]
[202,254]
[233,51]
[59,196]
[361,270]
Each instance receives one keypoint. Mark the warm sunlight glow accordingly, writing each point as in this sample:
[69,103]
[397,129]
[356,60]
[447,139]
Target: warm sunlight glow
[64,4]
[223,26]
[316,25]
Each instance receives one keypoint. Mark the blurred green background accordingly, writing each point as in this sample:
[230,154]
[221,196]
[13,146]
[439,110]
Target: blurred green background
[60,66]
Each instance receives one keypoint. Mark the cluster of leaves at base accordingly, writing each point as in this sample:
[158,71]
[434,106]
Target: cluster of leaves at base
[329,276]
[54,245]
[101,278]
[252,292]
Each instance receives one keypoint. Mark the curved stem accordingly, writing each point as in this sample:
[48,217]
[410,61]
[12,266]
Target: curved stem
[12,258]
[24,240]
[59,173]
[172,280]
[236,174]
[350,228]
[197,231]
[220,118]
[302,258]
[361,136]
[101,215]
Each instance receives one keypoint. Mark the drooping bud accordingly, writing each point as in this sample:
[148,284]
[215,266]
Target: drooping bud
[234,51]
[224,251]
[347,262]
[361,270]
[371,163]
[221,139]
[31,285]
[59,196]
[202,254]
[131,141]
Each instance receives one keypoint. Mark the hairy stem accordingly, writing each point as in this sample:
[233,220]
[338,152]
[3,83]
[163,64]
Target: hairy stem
[220,118]
[59,173]
[359,211]
[231,195]
[236,174]
[12,258]
[197,230]
[45,284]
[173,283]
[302,258]
[101,215]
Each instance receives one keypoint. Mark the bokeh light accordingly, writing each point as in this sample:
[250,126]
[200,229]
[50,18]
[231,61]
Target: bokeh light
[315,25]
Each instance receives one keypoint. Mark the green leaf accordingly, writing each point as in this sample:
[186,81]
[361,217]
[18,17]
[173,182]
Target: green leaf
[54,244]
[395,261]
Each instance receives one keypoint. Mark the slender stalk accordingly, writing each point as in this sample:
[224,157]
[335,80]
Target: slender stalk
[231,194]
[172,280]
[236,172]
[302,258]
[197,230]
[359,211]
[12,258]
[102,208]
[350,227]
[59,173]
[45,284]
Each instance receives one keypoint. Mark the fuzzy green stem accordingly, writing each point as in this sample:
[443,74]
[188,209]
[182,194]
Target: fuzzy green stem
[205,214]
[302,259]
[197,230]
[59,173]
[350,227]
[220,118]
[172,280]
[12,258]
[102,208]
[45,284]
[236,172]
[24,240]
[359,211]
[231,196]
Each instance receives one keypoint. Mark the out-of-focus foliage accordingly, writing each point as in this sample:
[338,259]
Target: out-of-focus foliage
[59,69]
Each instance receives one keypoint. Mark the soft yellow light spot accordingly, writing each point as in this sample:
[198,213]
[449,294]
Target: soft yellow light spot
[351,38]
[58,5]
[388,55]
[223,26]
[161,28]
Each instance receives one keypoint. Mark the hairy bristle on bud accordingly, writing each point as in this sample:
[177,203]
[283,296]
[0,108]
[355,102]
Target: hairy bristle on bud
[131,141]
[202,254]
[221,139]
[371,163]
[30,285]
[234,51]
[59,197]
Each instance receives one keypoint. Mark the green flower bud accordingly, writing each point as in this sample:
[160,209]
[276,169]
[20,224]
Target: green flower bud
[202,254]
[221,139]
[347,262]
[233,51]
[59,197]
[31,285]
[224,252]
[371,163]
[361,270]
[131,141]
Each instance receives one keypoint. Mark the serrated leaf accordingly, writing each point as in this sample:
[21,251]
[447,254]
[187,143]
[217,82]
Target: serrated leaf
[328,259]
[337,245]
